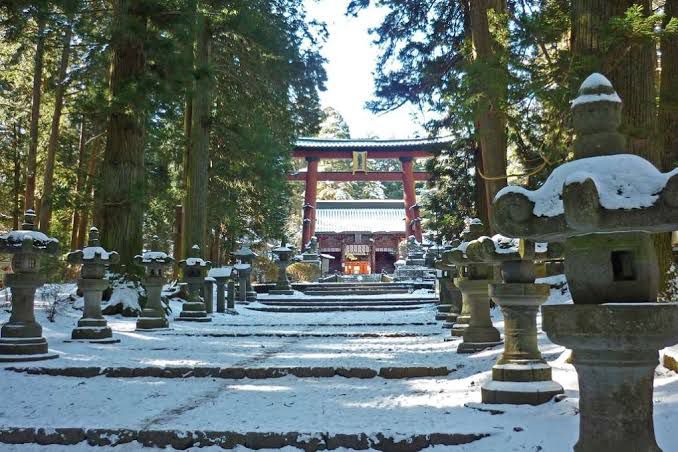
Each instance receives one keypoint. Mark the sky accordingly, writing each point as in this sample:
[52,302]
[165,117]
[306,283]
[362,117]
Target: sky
[351,62]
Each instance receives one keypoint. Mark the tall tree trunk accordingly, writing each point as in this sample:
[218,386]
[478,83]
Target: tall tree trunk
[16,189]
[668,94]
[490,78]
[631,69]
[36,94]
[48,180]
[191,11]
[87,196]
[121,193]
[195,205]
[79,185]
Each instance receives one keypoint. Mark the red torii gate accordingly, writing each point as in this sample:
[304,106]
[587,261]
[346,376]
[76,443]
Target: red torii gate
[314,149]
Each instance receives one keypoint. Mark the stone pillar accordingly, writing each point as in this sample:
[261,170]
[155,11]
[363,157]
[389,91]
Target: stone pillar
[209,294]
[480,333]
[463,319]
[221,275]
[310,197]
[194,269]
[244,271]
[221,298]
[231,296]
[21,337]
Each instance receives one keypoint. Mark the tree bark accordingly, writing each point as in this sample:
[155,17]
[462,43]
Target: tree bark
[668,94]
[79,185]
[36,94]
[491,84]
[195,205]
[121,193]
[16,189]
[631,69]
[87,195]
[48,179]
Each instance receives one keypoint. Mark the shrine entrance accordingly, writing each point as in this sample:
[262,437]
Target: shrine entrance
[362,235]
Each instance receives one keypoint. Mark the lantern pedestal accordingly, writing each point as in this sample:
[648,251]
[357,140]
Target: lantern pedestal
[615,351]
[21,338]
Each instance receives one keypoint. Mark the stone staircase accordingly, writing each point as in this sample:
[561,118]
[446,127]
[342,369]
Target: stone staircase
[347,296]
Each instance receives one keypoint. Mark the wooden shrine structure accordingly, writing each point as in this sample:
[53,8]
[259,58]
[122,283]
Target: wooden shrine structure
[360,151]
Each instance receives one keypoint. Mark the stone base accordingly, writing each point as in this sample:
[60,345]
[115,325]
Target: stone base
[458,329]
[93,330]
[520,393]
[280,292]
[441,316]
[193,311]
[24,349]
[444,308]
[473,347]
[152,323]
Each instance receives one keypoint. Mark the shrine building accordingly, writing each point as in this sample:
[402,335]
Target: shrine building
[362,235]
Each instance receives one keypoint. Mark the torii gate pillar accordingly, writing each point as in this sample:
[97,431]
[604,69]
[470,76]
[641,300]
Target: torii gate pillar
[413,219]
[310,198]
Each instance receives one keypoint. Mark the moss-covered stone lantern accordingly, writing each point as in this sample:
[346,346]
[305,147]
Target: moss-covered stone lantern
[93,259]
[284,259]
[194,270]
[21,337]
[604,205]
[474,323]
[155,262]
[246,256]
[520,376]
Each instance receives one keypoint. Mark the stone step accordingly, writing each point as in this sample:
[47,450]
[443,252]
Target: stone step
[341,325]
[345,302]
[182,440]
[321,308]
[311,293]
[320,335]
[236,373]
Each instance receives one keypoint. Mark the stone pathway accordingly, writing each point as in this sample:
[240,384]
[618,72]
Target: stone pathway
[358,380]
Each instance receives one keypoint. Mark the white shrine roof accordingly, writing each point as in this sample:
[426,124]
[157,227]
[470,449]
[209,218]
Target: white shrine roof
[360,216]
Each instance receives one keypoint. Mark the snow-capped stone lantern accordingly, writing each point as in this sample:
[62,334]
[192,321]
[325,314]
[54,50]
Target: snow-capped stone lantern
[246,256]
[604,205]
[154,262]
[93,259]
[521,375]
[21,337]
[282,285]
[474,323]
[450,296]
[244,271]
[194,270]
[221,276]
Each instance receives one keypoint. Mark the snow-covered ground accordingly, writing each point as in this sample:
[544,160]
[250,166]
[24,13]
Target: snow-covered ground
[397,408]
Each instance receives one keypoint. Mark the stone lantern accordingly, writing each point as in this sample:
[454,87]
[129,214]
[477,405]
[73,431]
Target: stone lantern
[221,276]
[194,269]
[94,259]
[474,323]
[246,256]
[520,376]
[21,337]
[155,262]
[604,205]
[450,297]
[282,285]
[244,271]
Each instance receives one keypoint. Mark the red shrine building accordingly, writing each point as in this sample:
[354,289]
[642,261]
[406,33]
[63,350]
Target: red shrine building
[362,235]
